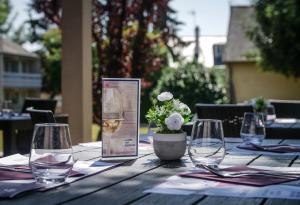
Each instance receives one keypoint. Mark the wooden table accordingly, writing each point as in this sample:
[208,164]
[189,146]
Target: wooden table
[125,184]
[17,132]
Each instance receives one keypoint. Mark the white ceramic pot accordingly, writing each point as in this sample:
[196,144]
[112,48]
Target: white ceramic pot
[169,146]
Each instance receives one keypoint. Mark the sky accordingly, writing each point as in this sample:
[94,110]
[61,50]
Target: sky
[210,15]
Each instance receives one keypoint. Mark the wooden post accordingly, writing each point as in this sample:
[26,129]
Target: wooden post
[1,73]
[77,67]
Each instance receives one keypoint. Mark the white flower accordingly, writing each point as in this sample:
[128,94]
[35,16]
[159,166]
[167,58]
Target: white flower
[182,107]
[186,108]
[176,104]
[174,121]
[164,96]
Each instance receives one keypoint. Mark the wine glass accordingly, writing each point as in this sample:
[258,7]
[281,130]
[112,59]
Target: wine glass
[6,111]
[113,115]
[207,146]
[253,128]
[271,115]
[51,156]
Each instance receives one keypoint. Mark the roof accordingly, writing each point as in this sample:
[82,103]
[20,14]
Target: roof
[238,44]
[9,47]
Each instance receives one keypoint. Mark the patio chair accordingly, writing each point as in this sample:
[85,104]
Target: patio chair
[40,116]
[286,108]
[231,115]
[24,137]
[39,104]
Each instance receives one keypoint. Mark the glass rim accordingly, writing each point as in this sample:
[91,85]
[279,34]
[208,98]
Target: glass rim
[51,124]
[208,120]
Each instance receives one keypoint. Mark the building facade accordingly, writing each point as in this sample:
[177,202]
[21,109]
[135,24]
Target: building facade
[246,79]
[20,74]
[210,50]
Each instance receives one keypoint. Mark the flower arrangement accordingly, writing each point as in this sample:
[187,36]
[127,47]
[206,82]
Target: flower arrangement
[168,114]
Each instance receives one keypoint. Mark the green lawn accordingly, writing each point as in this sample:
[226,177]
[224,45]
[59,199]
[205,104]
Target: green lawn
[95,130]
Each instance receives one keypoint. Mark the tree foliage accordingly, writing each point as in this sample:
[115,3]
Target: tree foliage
[277,35]
[51,61]
[7,27]
[191,83]
[131,39]
[5,9]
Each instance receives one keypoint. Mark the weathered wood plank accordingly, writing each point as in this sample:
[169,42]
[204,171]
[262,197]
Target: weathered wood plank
[296,163]
[260,161]
[282,202]
[90,184]
[168,199]
[218,200]
[125,184]
[133,188]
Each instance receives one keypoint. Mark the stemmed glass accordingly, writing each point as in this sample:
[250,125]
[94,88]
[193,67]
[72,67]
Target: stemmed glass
[207,146]
[51,156]
[253,128]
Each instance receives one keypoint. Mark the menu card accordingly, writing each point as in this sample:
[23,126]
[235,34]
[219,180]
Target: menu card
[120,117]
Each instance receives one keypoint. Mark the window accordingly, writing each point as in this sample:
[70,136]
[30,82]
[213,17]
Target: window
[11,65]
[218,52]
[28,66]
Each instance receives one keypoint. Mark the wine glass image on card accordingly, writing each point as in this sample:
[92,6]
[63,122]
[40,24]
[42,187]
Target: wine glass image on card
[120,117]
[113,115]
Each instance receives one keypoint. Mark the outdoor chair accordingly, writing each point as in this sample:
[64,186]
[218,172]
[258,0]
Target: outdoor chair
[40,116]
[286,108]
[24,137]
[231,116]
[39,104]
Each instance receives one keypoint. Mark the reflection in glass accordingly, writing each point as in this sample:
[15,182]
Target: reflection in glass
[207,145]
[51,156]
[253,128]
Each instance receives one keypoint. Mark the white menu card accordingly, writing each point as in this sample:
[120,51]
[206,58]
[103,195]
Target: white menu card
[120,117]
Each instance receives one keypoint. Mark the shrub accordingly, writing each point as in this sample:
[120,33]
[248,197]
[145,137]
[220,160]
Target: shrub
[191,83]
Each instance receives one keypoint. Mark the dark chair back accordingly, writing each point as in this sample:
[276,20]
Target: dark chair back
[39,104]
[40,116]
[24,137]
[286,108]
[230,114]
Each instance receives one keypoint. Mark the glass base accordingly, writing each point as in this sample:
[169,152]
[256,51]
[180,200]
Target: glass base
[250,142]
[197,166]
[50,181]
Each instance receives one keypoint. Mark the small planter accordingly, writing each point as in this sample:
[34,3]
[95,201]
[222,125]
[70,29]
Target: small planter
[169,146]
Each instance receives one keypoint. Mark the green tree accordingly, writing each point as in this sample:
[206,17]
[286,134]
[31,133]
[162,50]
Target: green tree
[19,34]
[4,12]
[277,35]
[191,83]
[51,61]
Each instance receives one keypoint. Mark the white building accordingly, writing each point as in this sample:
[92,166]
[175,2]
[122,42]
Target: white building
[20,73]
[211,49]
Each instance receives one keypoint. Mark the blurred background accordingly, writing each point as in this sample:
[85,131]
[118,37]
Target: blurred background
[203,51]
